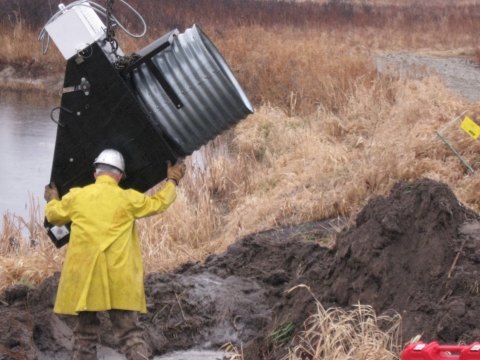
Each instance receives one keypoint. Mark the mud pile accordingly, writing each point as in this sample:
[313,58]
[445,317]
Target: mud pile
[416,251]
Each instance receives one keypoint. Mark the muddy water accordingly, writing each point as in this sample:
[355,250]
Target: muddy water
[27,139]
[194,355]
[109,354]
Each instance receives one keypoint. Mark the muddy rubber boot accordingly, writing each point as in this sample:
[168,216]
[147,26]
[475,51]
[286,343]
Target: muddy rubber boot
[137,352]
[129,333]
[85,336]
[85,353]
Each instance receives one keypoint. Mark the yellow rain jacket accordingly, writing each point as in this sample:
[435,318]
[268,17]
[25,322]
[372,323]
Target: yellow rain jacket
[103,267]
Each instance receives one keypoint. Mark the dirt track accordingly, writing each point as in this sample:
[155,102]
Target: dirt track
[398,256]
[461,76]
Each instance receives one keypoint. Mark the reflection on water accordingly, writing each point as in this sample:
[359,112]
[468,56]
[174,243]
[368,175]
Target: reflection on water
[27,140]
[104,353]
[195,355]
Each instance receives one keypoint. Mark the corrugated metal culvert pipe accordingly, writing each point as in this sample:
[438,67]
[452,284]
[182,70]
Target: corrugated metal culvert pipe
[211,99]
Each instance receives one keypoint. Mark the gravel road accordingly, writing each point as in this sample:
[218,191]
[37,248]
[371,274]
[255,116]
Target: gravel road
[461,76]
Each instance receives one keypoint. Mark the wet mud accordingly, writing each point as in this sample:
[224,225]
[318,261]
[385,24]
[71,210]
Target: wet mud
[416,251]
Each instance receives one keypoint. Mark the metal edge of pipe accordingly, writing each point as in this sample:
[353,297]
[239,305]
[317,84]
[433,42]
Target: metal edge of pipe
[213,99]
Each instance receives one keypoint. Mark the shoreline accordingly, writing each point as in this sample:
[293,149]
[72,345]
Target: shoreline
[11,80]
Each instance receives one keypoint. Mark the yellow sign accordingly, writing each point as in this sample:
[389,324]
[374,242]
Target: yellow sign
[470,127]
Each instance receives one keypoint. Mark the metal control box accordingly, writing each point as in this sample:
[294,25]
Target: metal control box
[75,29]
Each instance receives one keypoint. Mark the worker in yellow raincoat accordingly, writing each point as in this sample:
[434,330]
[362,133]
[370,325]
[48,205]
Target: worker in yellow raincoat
[103,268]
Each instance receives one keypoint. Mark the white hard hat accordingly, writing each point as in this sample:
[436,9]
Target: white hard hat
[113,158]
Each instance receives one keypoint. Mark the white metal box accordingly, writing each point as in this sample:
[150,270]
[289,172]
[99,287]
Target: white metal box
[75,29]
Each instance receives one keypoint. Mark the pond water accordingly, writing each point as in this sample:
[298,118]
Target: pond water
[27,141]
[109,354]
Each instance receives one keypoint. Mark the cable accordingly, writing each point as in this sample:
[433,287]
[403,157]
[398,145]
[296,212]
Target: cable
[98,9]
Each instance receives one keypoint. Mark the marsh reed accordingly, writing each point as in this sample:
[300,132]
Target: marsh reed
[329,133]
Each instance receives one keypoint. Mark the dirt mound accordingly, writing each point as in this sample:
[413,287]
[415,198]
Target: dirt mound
[416,251]
[231,297]
[401,255]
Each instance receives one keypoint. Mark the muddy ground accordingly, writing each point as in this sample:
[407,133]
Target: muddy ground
[400,254]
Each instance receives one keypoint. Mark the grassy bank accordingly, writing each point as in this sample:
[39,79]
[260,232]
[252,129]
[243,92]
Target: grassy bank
[330,131]
[240,27]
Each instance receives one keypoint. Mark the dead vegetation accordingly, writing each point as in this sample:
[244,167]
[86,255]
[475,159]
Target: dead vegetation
[336,334]
[27,256]
[329,132]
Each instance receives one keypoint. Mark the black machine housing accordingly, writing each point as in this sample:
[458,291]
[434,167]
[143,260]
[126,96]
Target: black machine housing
[101,110]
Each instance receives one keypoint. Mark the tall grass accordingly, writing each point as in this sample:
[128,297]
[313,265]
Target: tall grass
[329,132]
[26,253]
[22,51]
[274,170]
[337,334]
[382,25]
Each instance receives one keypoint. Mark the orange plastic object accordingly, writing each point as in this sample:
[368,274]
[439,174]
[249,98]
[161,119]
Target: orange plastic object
[435,351]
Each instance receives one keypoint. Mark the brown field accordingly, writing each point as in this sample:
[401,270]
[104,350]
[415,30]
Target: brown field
[329,133]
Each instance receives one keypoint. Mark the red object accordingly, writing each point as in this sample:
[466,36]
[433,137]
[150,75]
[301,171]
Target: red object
[435,351]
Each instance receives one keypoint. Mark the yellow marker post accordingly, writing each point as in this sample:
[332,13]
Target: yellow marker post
[470,127]
[455,151]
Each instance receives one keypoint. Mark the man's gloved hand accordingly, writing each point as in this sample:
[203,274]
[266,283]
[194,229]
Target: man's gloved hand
[177,171]
[51,192]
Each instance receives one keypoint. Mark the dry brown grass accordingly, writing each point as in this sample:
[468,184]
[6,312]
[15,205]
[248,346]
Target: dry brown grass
[21,50]
[279,170]
[360,132]
[274,170]
[330,132]
[336,334]
[26,254]
[339,334]
[383,25]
